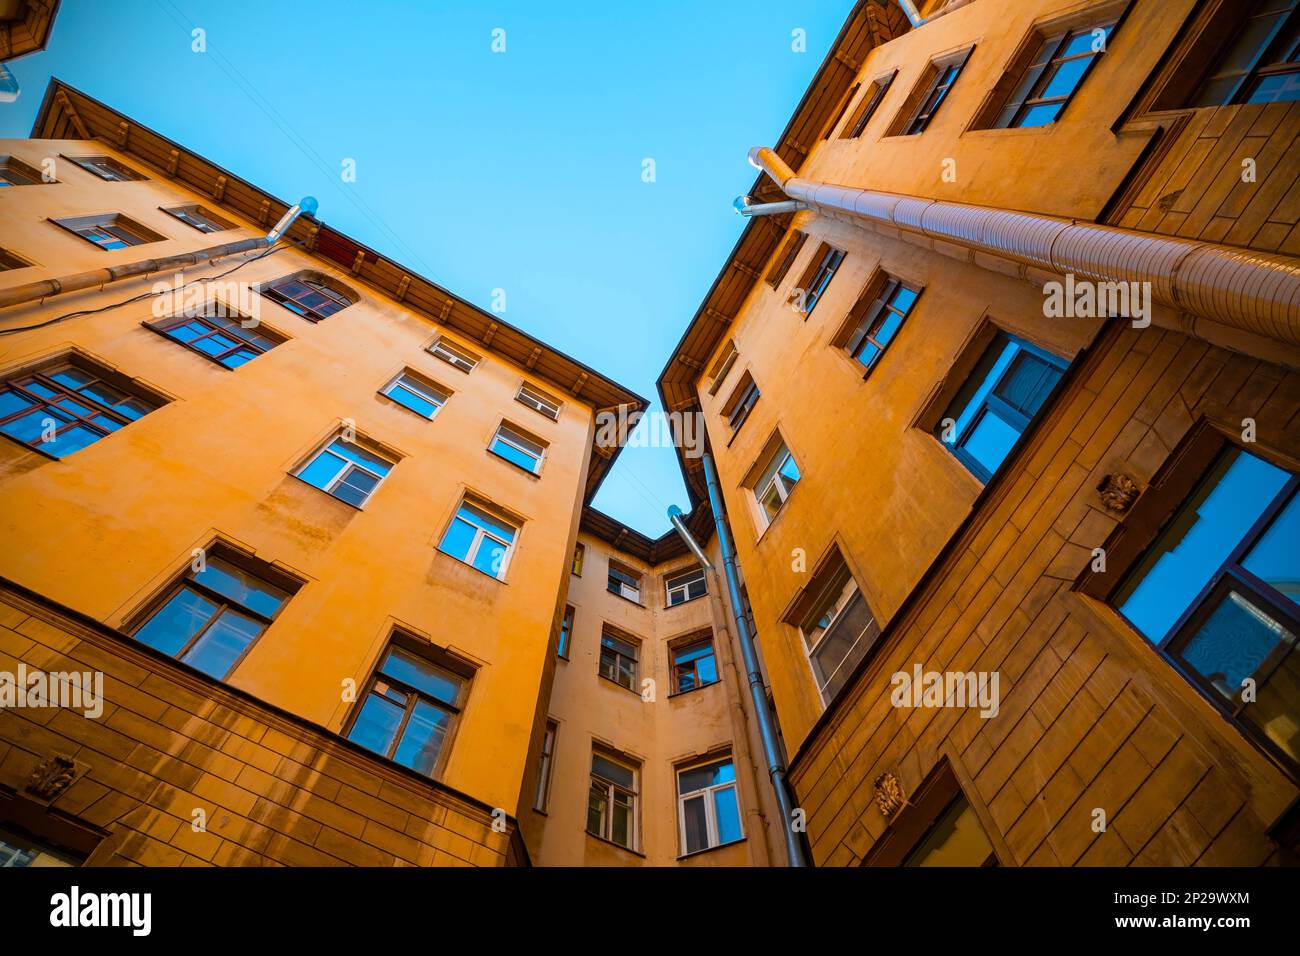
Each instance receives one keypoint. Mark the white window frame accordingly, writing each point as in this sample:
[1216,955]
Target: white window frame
[681,582]
[520,442]
[347,468]
[538,401]
[770,479]
[405,380]
[710,810]
[849,597]
[542,799]
[610,788]
[454,355]
[625,590]
[482,534]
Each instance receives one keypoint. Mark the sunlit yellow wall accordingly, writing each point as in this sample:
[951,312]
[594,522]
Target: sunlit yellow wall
[105,529]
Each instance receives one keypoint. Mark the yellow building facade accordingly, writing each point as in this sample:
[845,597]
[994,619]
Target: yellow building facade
[1000,393]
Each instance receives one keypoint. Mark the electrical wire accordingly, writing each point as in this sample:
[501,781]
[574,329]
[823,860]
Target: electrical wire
[146,295]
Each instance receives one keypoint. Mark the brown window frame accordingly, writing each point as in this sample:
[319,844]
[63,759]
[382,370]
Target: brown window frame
[910,827]
[192,214]
[165,326]
[1040,65]
[565,639]
[825,262]
[1265,62]
[112,224]
[686,643]
[869,106]
[868,313]
[25,174]
[840,110]
[930,93]
[785,257]
[10,260]
[616,670]
[740,403]
[579,556]
[119,172]
[315,282]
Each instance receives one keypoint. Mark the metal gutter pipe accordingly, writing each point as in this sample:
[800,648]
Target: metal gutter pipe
[762,713]
[47,288]
[747,207]
[675,516]
[1254,292]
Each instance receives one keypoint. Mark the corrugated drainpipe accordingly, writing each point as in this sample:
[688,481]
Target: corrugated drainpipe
[46,288]
[762,713]
[1254,292]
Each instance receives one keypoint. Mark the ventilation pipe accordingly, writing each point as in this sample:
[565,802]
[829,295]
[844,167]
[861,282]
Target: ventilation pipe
[47,288]
[747,207]
[675,516]
[758,694]
[909,10]
[1255,292]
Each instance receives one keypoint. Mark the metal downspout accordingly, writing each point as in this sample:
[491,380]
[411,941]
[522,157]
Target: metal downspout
[1253,292]
[762,713]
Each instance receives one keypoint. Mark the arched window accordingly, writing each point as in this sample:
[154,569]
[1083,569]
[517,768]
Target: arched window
[310,294]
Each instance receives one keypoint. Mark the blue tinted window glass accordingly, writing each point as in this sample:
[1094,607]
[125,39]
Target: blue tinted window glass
[1275,557]
[423,737]
[490,557]
[1201,537]
[1232,644]
[362,457]
[73,439]
[727,812]
[11,401]
[1068,74]
[485,520]
[177,622]
[217,650]
[1040,115]
[458,539]
[376,725]
[322,470]
[990,441]
[511,453]
[982,392]
[421,675]
[417,403]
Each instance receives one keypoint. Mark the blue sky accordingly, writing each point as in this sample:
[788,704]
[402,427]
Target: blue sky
[519,171]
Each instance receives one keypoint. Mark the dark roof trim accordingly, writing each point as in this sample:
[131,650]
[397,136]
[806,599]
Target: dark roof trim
[652,551]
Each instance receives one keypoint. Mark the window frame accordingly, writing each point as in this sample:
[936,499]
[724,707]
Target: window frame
[165,326]
[434,657]
[1174,488]
[262,571]
[741,401]
[710,809]
[579,556]
[545,405]
[684,645]
[619,658]
[617,568]
[107,168]
[1044,60]
[348,467]
[869,106]
[315,283]
[912,825]
[129,232]
[785,257]
[693,573]
[758,481]
[546,766]
[43,374]
[835,575]
[457,356]
[11,261]
[482,534]
[868,315]
[609,789]
[930,93]
[1259,67]
[565,639]
[409,380]
[816,279]
[192,214]
[12,165]
[516,438]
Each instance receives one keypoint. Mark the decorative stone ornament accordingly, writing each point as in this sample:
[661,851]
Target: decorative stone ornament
[1118,492]
[54,775]
[889,795]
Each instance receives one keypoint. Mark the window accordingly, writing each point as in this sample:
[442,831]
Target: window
[1218,594]
[14,172]
[839,113]
[708,807]
[423,398]
[105,167]
[204,220]
[539,401]
[776,479]
[611,802]
[835,623]
[545,765]
[17,850]
[1262,62]
[225,340]
[579,555]
[875,319]
[454,355]
[1057,70]
[64,408]
[785,257]
[213,615]
[816,278]
[930,95]
[741,401]
[110,231]
[346,470]
[685,586]
[308,295]
[518,448]
[722,366]
[11,260]
[694,665]
[618,659]
[937,827]
[480,539]
[624,582]
[867,109]
[409,710]
[994,407]
[566,632]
